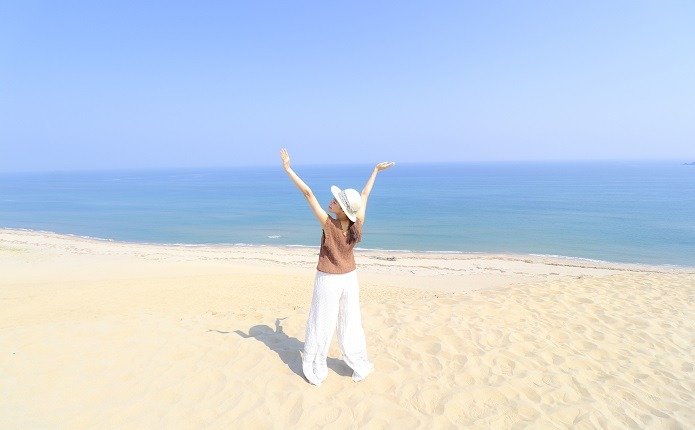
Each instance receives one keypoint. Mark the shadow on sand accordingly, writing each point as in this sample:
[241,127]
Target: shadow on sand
[288,348]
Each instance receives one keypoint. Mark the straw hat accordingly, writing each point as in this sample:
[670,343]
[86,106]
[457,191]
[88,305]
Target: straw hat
[349,200]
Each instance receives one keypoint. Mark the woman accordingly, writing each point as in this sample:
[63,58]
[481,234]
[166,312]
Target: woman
[336,290]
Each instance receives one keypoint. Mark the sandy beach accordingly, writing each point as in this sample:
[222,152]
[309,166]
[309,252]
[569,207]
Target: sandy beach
[98,334]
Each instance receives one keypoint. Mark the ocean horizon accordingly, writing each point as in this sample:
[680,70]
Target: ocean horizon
[623,212]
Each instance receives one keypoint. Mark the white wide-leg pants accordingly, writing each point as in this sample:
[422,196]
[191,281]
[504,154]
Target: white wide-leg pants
[336,300]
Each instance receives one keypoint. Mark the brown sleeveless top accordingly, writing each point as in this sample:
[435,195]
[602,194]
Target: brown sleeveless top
[336,255]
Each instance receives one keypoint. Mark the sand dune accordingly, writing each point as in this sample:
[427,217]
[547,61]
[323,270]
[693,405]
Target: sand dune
[109,335]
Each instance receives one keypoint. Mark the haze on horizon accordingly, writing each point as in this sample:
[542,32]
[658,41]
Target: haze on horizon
[108,85]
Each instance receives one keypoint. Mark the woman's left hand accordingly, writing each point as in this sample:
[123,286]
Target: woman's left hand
[384,165]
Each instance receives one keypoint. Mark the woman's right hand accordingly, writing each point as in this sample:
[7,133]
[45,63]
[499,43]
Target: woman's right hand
[285,158]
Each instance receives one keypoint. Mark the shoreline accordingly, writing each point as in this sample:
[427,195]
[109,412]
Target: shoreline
[358,250]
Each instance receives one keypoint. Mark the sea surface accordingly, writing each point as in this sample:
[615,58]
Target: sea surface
[632,212]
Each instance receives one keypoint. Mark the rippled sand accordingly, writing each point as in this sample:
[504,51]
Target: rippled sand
[109,335]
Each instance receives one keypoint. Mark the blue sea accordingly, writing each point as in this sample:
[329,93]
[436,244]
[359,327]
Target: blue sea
[632,212]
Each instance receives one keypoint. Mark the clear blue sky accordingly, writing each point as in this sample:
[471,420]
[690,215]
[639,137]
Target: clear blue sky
[139,84]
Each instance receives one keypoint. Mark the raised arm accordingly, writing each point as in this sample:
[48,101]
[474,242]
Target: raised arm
[314,204]
[368,187]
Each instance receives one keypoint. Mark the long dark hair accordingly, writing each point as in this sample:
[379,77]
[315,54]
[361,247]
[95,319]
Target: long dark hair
[354,234]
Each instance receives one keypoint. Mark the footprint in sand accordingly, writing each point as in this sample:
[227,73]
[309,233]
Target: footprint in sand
[428,401]
[494,337]
[504,365]
[559,336]
[582,346]
[524,348]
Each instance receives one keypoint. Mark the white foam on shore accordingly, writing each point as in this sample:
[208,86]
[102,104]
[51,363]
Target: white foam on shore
[592,260]
[28,230]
